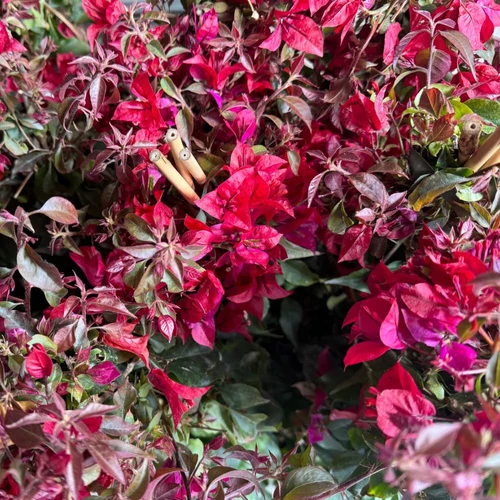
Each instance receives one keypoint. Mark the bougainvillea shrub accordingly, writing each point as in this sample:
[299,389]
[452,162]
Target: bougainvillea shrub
[322,322]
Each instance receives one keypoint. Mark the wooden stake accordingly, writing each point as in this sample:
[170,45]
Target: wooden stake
[469,139]
[174,177]
[176,147]
[485,152]
[192,165]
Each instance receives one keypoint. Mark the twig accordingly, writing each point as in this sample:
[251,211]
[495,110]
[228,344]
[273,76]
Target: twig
[23,184]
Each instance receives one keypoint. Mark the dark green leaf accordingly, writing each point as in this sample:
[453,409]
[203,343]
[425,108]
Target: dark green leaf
[307,483]
[488,109]
[241,396]
[432,187]
[297,273]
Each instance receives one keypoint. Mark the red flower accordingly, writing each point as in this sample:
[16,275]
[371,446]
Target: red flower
[104,13]
[7,43]
[144,112]
[360,114]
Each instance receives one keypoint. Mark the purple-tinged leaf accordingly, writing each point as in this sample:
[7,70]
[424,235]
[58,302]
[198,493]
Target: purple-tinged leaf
[300,108]
[37,272]
[370,187]
[464,47]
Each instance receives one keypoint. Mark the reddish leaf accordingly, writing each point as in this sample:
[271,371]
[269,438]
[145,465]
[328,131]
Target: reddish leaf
[437,439]
[106,302]
[104,373]
[364,351]
[97,92]
[355,243]
[399,410]
[119,336]
[389,329]
[471,18]
[60,210]
[340,14]
[300,108]
[174,391]
[167,326]
[38,363]
[303,34]
[273,42]
[443,128]
[209,26]
[90,262]
[25,436]
[397,378]
[107,459]
[370,187]
[463,45]
[315,5]
[313,187]
[391,41]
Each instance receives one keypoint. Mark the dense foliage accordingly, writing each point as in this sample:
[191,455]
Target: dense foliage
[321,323]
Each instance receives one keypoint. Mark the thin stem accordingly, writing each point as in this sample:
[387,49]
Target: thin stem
[66,21]
[23,184]
[349,484]
[27,298]
[486,337]
[431,58]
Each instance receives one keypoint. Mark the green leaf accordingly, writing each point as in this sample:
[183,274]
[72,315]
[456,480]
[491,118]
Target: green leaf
[460,108]
[241,396]
[297,273]
[47,342]
[435,387]
[185,124]
[139,484]
[486,108]
[139,228]
[480,214]
[466,193]
[175,51]
[355,280]
[37,272]
[294,161]
[169,88]
[300,459]
[307,483]
[291,315]
[294,251]
[432,187]
[156,49]
[16,319]
[493,371]
[16,148]
[338,220]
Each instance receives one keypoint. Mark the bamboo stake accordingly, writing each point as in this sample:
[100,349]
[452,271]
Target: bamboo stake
[494,159]
[485,152]
[174,177]
[187,158]
[469,140]
[176,147]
